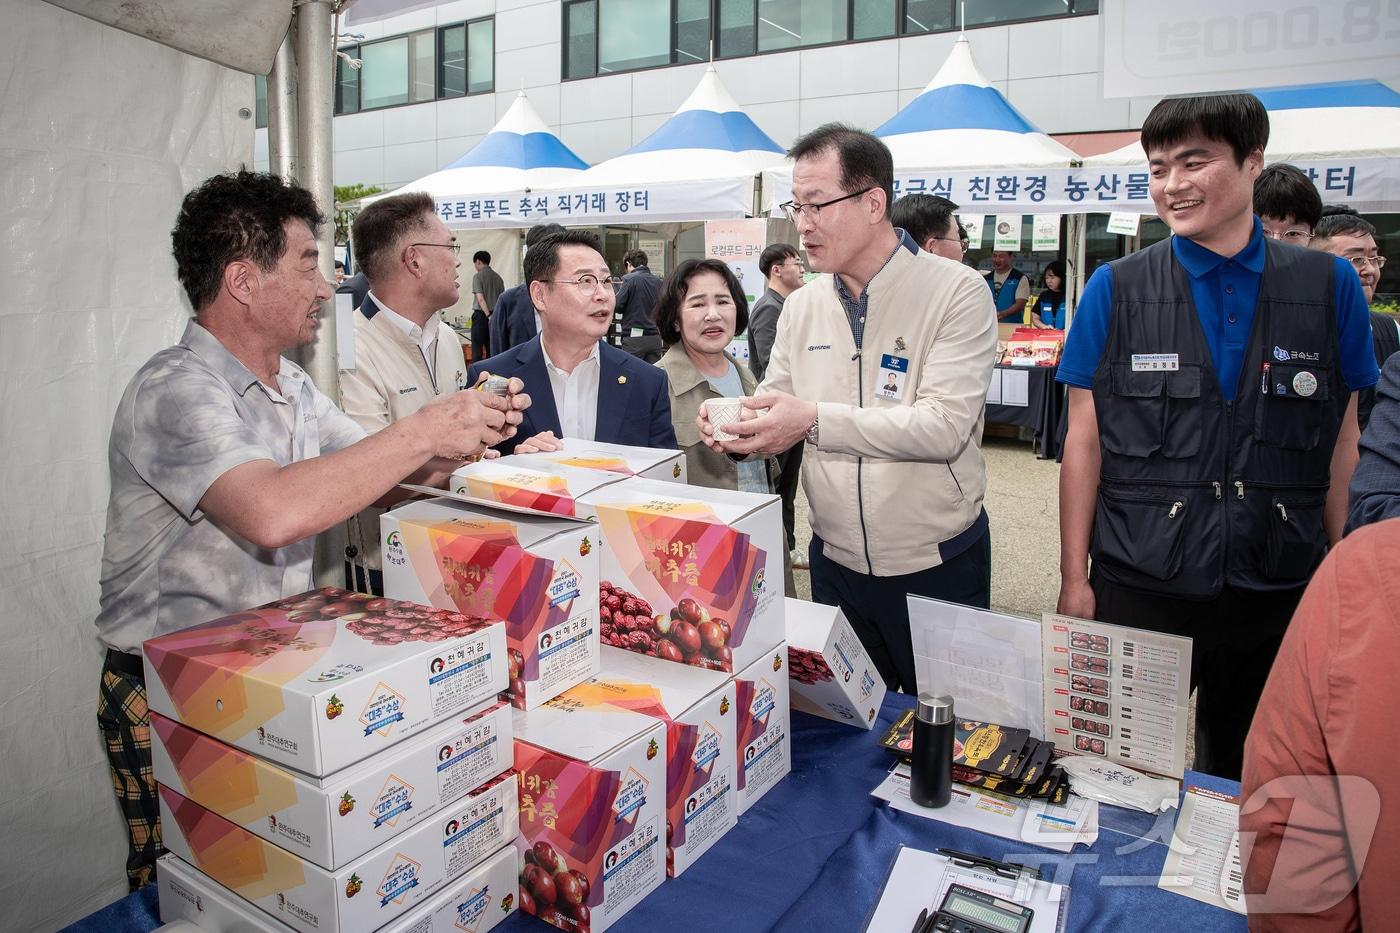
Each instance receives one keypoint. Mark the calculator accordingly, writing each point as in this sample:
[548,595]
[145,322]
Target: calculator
[965,910]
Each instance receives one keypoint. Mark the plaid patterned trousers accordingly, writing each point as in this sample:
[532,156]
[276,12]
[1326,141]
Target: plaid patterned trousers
[124,722]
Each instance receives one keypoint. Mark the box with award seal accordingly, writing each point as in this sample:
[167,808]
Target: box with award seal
[320,681]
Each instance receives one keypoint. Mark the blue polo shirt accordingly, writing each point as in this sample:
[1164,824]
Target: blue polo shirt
[1225,291]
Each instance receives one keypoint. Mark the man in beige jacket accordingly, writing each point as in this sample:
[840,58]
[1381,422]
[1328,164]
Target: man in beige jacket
[894,476]
[405,354]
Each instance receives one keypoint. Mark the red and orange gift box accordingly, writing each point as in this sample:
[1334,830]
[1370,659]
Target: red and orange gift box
[320,681]
[537,574]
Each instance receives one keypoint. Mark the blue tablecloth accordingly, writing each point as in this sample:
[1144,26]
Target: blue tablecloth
[813,855]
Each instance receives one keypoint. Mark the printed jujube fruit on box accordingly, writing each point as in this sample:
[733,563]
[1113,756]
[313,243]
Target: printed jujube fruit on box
[691,575]
[322,680]
[336,819]
[831,674]
[537,574]
[359,897]
[699,709]
[476,901]
[763,746]
[592,811]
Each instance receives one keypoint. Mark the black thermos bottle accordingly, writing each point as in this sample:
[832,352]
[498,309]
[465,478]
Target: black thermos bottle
[931,776]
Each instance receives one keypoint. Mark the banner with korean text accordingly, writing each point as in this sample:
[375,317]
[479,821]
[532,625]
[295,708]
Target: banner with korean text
[738,244]
[638,204]
[1366,184]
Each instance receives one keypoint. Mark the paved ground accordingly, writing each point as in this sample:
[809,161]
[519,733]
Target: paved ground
[1023,506]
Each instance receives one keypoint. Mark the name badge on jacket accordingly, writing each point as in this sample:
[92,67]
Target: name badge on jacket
[894,374]
[1155,362]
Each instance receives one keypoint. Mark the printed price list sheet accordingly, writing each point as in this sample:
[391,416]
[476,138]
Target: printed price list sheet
[1118,693]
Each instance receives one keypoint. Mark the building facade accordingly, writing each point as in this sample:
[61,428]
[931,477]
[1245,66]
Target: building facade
[605,73]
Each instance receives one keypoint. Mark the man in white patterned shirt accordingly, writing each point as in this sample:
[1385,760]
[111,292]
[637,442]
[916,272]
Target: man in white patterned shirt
[226,461]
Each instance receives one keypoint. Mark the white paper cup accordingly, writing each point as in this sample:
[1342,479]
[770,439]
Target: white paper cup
[723,412]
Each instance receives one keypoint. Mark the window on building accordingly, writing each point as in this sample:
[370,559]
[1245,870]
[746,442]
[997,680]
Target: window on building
[986,12]
[607,36]
[259,101]
[927,16]
[737,24]
[874,19]
[347,81]
[581,39]
[452,60]
[790,24]
[692,31]
[430,64]
[481,56]
[633,34]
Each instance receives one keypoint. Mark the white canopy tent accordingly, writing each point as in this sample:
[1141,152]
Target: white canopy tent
[961,138]
[701,164]
[1346,135]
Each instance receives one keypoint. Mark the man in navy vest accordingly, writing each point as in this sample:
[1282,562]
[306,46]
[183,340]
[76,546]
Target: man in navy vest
[1010,288]
[1212,422]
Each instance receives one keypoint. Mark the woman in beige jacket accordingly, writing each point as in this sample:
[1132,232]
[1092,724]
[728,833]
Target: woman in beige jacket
[700,308]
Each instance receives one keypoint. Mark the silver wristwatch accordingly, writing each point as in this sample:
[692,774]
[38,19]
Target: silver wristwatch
[812,432]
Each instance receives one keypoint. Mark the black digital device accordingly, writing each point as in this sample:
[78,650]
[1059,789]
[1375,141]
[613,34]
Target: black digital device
[965,910]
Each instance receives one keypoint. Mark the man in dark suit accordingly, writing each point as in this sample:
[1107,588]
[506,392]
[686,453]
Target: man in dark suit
[513,317]
[636,300]
[582,387]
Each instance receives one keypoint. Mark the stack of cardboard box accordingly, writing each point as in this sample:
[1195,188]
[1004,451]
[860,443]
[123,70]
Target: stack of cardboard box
[334,763]
[682,724]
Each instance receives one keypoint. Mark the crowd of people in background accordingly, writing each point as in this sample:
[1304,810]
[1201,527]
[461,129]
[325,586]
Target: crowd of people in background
[1218,383]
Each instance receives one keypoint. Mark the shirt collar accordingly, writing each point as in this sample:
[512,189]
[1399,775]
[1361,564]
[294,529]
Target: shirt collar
[682,372]
[230,368]
[592,357]
[424,337]
[1199,261]
[905,240]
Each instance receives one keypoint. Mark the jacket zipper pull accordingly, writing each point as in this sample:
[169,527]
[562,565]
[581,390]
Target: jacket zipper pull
[1239,489]
[1283,512]
[1177,507]
[1217,490]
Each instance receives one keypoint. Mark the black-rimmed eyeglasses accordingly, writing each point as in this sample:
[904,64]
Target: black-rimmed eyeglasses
[455,247]
[795,211]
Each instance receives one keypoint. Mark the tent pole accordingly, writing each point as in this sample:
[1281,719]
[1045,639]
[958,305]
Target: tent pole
[315,56]
[282,109]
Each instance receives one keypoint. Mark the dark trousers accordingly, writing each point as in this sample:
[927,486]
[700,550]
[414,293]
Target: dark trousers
[789,478]
[1234,640]
[649,349]
[125,724]
[876,606]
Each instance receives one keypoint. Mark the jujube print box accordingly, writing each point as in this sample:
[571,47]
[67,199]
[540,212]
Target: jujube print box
[646,462]
[320,681]
[764,746]
[689,574]
[475,902]
[700,712]
[538,575]
[592,811]
[338,818]
[365,894]
[831,674]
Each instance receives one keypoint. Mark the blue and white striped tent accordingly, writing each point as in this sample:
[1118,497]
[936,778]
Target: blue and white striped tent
[961,121]
[708,137]
[1307,122]
[701,164]
[519,154]
[1346,134]
[958,125]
